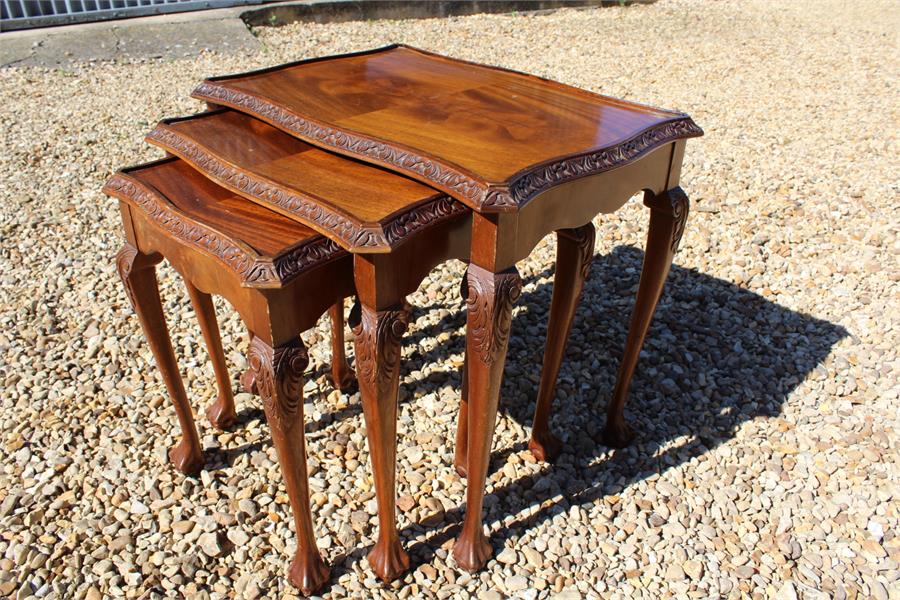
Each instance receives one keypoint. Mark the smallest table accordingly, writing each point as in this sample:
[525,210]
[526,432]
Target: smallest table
[279,275]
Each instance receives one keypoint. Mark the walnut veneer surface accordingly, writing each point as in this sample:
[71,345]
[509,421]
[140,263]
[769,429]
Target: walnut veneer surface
[490,137]
[362,207]
[264,248]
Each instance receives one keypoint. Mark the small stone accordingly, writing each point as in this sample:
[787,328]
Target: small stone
[209,543]
[139,508]
[877,531]
[182,527]
[238,537]
[429,571]
[224,519]
[359,520]
[9,505]
[744,571]
[406,503]
[693,568]
[508,556]
[248,506]
[674,572]
[120,542]
[516,583]
[533,557]
[879,592]
[434,512]
[874,548]
[787,592]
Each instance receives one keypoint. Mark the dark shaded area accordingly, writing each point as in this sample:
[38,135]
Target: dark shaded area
[716,356]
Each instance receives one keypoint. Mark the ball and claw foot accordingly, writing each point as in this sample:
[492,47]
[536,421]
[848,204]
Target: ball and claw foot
[308,573]
[472,556]
[461,470]
[618,435]
[545,447]
[186,459]
[221,414]
[248,382]
[388,561]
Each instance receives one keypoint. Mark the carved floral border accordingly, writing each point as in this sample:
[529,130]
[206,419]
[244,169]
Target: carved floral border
[307,208]
[456,182]
[251,268]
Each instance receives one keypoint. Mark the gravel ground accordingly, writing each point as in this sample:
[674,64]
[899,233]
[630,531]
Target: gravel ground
[766,398]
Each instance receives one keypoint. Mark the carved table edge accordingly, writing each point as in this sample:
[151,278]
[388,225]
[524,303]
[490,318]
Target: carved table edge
[254,271]
[355,236]
[463,185]
[527,184]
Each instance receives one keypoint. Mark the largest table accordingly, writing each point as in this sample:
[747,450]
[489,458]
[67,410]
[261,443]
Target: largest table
[528,157]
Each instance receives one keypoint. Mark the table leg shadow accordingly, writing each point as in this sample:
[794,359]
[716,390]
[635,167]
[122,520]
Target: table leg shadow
[716,356]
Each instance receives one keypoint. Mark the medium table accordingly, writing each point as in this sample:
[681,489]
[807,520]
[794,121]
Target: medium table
[528,157]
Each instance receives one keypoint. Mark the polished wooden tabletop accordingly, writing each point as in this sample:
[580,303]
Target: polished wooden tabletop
[490,137]
[363,207]
[264,248]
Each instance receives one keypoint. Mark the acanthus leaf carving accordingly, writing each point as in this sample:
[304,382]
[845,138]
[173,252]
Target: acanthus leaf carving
[584,238]
[674,202]
[124,262]
[542,178]
[379,340]
[250,268]
[489,299]
[279,377]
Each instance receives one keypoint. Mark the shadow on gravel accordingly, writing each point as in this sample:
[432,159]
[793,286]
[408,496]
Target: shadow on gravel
[716,356]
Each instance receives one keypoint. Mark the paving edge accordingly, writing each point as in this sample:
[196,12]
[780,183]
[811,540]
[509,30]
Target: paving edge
[186,34]
[336,11]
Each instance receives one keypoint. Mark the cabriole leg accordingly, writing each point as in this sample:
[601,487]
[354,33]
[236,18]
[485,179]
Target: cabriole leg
[668,214]
[489,302]
[221,413]
[341,373]
[138,273]
[378,340]
[279,378]
[574,252]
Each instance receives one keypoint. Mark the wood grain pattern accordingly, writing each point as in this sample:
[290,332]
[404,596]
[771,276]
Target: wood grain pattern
[190,207]
[490,137]
[362,207]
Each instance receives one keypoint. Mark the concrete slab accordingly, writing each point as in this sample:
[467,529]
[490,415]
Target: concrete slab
[186,34]
[164,36]
[15,50]
[174,40]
